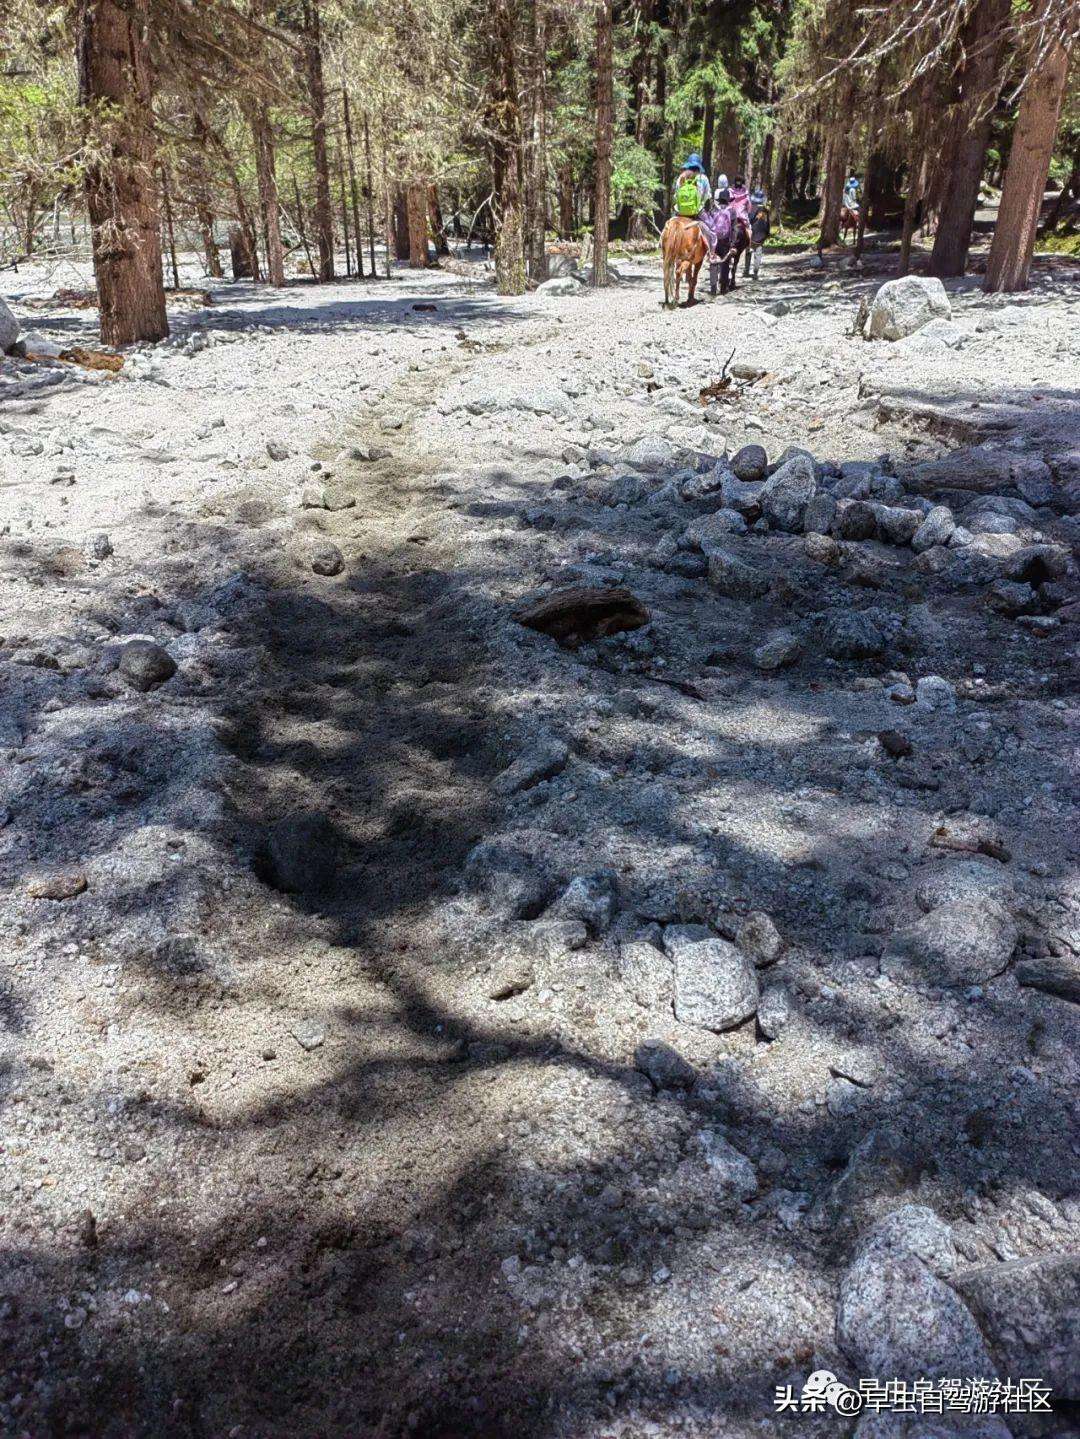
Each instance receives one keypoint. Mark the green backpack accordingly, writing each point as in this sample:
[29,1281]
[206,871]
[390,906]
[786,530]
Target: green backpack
[688,198]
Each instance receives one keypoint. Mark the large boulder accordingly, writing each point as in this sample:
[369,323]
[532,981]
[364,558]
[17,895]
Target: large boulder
[895,1316]
[1029,1312]
[716,987]
[903,306]
[560,286]
[787,492]
[960,943]
[734,578]
[9,328]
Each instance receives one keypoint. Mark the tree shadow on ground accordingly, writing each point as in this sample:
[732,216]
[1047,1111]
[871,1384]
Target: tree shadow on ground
[422,1235]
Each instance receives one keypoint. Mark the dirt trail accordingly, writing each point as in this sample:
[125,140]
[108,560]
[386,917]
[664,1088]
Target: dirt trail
[364,1075]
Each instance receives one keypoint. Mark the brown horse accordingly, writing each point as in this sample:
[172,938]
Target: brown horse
[683,247]
[849,220]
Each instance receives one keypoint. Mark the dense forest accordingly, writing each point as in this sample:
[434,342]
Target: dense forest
[287,135]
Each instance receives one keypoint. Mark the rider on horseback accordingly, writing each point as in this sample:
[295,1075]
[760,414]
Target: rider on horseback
[693,199]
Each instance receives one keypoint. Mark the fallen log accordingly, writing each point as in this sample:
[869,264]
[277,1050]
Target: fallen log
[581,613]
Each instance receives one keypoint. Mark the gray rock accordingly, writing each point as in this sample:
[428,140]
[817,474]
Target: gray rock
[588,898]
[646,973]
[540,761]
[369,454]
[327,559]
[100,546]
[958,944]
[665,1066]
[934,530]
[822,549]
[774,1010]
[787,492]
[895,1316]
[560,287]
[734,578]
[146,665]
[1029,1313]
[1057,976]
[932,692]
[820,514]
[969,880]
[9,328]
[1036,564]
[511,974]
[750,463]
[1011,598]
[1035,481]
[708,532]
[653,453]
[309,1034]
[302,852]
[896,525]
[741,496]
[779,651]
[851,636]
[857,521]
[553,939]
[759,939]
[715,984]
[55,882]
[277,451]
[728,1167]
[335,497]
[903,306]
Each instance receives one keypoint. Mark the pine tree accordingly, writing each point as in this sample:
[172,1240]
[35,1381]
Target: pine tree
[1013,245]
[116,95]
[604,109]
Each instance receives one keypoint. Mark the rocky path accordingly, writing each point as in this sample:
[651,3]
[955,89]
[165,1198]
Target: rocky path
[415,1024]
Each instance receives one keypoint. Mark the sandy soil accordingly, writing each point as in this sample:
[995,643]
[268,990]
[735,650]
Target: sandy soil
[350,1085]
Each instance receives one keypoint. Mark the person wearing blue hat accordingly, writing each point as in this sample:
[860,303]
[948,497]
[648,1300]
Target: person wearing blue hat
[692,189]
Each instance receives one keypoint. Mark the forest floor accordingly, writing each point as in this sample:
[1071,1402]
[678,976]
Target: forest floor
[355,1084]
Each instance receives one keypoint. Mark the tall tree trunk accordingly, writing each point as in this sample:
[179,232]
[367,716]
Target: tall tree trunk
[438,227]
[170,232]
[708,125]
[604,116]
[916,188]
[324,210]
[401,223]
[566,201]
[832,191]
[504,111]
[964,151]
[269,202]
[637,112]
[777,183]
[664,139]
[203,213]
[116,94]
[354,192]
[1013,245]
[416,200]
[535,157]
[370,194]
[344,213]
[806,170]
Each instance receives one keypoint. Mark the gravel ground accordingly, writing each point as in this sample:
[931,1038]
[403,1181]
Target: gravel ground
[414,1024]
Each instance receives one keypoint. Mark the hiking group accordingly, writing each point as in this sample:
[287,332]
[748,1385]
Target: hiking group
[724,223]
